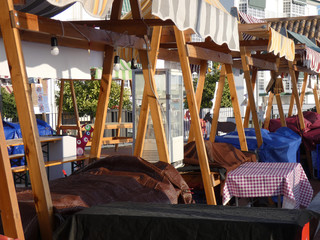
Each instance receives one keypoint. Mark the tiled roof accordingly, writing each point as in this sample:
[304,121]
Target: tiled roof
[307,25]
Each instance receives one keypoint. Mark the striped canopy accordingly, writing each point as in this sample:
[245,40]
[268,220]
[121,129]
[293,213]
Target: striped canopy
[204,18]
[125,72]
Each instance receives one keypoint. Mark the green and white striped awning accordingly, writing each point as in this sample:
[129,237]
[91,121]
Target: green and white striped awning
[125,72]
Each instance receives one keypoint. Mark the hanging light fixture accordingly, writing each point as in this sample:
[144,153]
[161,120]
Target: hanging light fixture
[54,46]
[116,63]
[133,63]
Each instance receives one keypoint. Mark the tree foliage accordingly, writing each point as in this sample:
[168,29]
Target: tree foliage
[87,93]
[211,80]
[9,107]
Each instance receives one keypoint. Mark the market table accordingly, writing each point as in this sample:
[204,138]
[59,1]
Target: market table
[263,179]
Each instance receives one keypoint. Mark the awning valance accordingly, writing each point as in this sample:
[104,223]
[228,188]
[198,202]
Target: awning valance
[279,44]
[311,53]
[205,19]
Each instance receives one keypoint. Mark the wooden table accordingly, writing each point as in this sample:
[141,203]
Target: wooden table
[261,179]
[44,139]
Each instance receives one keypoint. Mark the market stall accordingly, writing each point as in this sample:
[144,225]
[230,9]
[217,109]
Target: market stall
[133,33]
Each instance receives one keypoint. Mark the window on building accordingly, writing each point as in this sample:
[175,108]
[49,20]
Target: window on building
[260,80]
[292,9]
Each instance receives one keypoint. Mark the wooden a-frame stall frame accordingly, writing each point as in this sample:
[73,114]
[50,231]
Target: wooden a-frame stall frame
[17,26]
[266,61]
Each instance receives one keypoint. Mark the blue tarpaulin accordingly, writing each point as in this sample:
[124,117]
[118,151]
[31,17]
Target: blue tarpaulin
[279,146]
[13,130]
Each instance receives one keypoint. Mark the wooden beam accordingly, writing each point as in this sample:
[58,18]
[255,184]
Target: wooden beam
[249,43]
[10,214]
[129,26]
[68,30]
[236,108]
[119,112]
[29,129]
[75,107]
[60,110]
[173,56]
[155,111]
[144,109]
[246,70]
[103,102]
[303,90]
[194,112]
[255,62]
[217,103]
[207,54]
[316,98]
[296,95]
[199,91]
[260,30]
[247,114]
[290,111]
[268,112]
[280,109]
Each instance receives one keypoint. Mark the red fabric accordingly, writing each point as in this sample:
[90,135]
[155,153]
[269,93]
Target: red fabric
[311,133]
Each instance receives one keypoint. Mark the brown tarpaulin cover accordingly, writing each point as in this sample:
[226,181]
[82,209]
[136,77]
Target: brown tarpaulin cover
[112,179]
[219,155]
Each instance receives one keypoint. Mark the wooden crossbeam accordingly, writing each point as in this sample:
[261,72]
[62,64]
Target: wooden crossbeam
[253,82]
[236,108]
[268,112]
[303,90]
[194,112]
[244,56]
[280,109]
[199,91]
[217,103]
[296,94]
[65,32]
[259,63]
[207,54]
[132,27]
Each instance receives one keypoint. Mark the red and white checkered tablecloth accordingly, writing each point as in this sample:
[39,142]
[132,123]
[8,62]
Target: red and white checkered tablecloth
[262,179]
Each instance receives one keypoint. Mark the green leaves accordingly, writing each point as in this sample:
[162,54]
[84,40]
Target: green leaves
[87,93]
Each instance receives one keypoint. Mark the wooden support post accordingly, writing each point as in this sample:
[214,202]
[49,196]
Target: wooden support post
[290,112]
[316,98]
[246,70]
[268,112]
[280,109]
[145,107]
[149,84]
[303,90]
[296,94]
[29,129]
[75,107]
[217,103]
[60,107]
[103,102]
[253,82]
[194,112]
[120,112]
[105,87]
[9,209]
[236,108]
[199,91]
